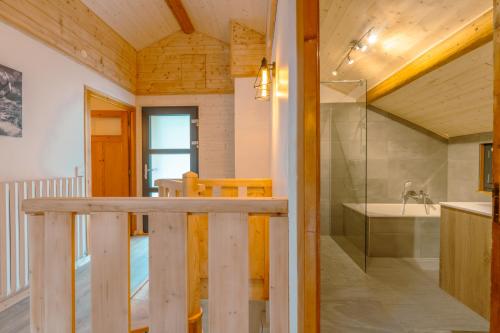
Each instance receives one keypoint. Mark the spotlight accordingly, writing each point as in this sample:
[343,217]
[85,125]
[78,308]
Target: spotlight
[363,47]
[350,60]
[372,38]
[335,73]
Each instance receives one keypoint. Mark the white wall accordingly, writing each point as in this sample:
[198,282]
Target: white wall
[284,132]
[53,109]
[252,132]
[216,130]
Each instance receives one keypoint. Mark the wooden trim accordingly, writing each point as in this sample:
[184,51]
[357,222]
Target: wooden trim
[308,161]
[90,93]
[271,25]
[470,37]
[495,255]
[181,15]
[272,206]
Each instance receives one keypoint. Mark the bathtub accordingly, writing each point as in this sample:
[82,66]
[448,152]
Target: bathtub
[389,233]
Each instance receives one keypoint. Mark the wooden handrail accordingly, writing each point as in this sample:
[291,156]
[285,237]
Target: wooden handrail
[271,206]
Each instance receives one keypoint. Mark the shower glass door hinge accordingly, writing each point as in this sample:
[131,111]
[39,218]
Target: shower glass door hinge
[195,121]
[195,143]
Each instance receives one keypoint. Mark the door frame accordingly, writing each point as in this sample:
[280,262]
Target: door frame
[308,166]
[131,110]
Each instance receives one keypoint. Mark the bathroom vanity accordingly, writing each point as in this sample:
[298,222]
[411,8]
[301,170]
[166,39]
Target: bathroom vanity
[465,256]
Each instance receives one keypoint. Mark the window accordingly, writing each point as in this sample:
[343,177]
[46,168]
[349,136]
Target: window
[486,167]
[170,144]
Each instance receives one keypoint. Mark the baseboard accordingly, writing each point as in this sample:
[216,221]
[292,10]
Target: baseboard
[14,299]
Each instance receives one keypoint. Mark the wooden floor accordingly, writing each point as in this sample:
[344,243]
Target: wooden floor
[16,318]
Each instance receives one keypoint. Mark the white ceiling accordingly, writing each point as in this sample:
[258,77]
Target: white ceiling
[143,22]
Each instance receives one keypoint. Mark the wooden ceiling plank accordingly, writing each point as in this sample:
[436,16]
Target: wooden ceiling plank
[473,35]
[181,15]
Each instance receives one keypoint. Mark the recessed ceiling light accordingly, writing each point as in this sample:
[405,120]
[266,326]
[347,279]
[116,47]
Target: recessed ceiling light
[335,73]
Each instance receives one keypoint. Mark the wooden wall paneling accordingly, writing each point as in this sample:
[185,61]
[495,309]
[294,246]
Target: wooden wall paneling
[59,273]
[110,272]
[70,27]
[168,300]
[3,240]
[37,273]
[278,298]
[13,231]
[495,260]
[308,160]
[184,64]
[228,283]
[248,47]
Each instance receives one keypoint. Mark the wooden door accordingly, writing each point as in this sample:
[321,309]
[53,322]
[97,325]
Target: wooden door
[110,154]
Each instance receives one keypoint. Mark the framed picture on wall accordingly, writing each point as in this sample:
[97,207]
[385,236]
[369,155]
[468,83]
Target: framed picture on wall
[11,102]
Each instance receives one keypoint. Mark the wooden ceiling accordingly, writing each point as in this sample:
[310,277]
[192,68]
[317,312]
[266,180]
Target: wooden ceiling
[454,100]
[406,28]
[143,22]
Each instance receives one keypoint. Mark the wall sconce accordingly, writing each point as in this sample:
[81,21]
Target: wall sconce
[264,80]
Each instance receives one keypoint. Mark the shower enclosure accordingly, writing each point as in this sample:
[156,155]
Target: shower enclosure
[343,119]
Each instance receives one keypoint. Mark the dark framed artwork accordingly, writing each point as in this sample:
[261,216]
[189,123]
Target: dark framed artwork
[11,102]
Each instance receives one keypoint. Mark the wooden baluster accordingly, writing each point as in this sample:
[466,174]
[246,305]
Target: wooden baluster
[3,240]
[228,283]
[190,189]
[21,195]
[13,217]
[278,293]
[58,272]
[37,275]
[168,304]
[110,272]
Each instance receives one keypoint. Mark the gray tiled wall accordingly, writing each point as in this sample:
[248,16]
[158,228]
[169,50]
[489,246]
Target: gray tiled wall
[396,151]
[463,168]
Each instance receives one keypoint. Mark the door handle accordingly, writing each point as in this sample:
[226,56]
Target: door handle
[146,171]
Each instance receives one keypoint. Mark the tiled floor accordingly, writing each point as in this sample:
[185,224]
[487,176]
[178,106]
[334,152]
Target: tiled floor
[396,295]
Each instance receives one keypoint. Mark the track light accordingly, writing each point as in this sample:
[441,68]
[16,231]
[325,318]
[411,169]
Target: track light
[372,37]
[335,73]
[350,60]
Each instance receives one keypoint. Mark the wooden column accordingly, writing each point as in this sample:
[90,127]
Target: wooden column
[190,189]
[308,160]
[495,260]
[36,271]
[58,273]
[278,291]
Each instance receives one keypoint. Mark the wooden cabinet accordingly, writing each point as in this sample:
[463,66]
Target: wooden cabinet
[465,270]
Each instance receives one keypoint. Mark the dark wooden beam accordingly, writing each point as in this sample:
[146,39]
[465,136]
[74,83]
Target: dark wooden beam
[470,37]
[181,15]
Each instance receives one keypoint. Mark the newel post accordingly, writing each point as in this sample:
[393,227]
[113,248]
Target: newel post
[190,189]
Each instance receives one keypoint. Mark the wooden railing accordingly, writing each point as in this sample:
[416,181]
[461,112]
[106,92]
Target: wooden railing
[53,281]
[14,230]
[198,231]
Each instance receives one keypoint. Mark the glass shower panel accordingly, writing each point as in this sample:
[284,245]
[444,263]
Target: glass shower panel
[343,116]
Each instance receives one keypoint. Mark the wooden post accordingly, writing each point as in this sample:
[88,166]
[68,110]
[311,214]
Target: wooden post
[495,259]
[36,271]
[190,189]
